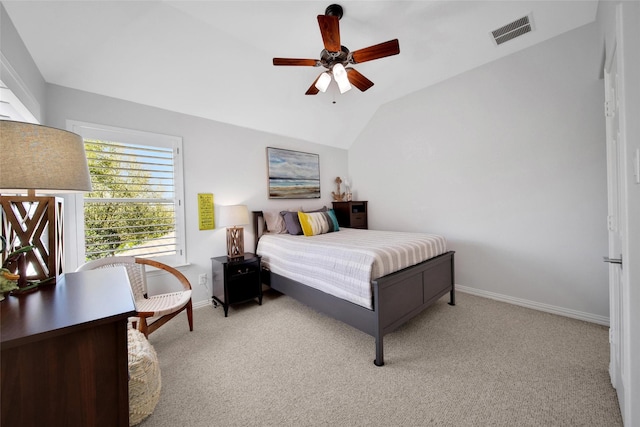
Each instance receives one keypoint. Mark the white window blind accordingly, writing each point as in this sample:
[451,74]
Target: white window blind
[135,206]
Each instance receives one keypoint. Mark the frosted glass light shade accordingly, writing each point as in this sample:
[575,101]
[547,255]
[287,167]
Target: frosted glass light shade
[340,75]
[323,82]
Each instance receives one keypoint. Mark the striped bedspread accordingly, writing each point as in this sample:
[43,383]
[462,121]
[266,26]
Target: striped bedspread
[344,263]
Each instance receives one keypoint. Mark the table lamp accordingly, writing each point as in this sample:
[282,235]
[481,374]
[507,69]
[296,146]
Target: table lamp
[35,158]
[231,217]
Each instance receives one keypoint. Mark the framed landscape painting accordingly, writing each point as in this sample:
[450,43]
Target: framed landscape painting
[293,174]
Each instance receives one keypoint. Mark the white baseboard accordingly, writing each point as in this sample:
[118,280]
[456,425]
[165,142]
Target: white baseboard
[561,311]
[204,303]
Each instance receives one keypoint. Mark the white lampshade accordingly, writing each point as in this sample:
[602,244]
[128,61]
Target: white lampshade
[233,215]
[323,82]
[41,158]
[340,75]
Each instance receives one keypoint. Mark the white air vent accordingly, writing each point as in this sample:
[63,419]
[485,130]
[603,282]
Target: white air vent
[511,31]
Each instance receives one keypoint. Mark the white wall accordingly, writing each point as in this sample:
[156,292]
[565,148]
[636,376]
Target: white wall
[225,160]
[508,162]
[18,70]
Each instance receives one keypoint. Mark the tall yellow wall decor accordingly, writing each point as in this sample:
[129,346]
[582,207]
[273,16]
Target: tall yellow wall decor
[206,215]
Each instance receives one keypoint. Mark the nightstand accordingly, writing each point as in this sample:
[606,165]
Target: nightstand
[236,280]
[351,214]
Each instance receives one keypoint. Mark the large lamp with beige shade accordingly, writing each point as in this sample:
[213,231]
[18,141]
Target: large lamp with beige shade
[38,159]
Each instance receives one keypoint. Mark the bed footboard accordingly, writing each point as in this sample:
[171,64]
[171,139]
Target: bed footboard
[400,296]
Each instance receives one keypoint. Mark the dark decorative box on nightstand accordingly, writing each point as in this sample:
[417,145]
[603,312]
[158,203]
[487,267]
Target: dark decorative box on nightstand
[236,280]
[351,214]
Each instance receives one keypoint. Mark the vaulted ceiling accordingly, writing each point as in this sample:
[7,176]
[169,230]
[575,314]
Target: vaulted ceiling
[213,59]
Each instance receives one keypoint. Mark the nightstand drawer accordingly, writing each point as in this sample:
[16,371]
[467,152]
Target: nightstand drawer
[358,220]
[237,273]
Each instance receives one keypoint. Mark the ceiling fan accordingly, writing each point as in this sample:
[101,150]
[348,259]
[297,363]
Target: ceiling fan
[336,58]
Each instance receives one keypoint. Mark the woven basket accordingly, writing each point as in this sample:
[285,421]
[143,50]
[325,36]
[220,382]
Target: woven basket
[144,377]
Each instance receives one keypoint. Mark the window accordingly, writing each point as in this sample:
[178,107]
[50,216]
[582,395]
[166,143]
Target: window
[135,207]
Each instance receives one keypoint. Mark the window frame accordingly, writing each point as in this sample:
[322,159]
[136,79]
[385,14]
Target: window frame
[129,136]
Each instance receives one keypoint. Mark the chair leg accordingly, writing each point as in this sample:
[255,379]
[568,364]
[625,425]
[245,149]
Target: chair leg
[190,315]
[142,327]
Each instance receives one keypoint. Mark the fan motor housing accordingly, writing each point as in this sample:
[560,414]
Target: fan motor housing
[329,59]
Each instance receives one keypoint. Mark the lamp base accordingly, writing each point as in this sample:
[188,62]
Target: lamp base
[235,242]
[26,286]
[37,221]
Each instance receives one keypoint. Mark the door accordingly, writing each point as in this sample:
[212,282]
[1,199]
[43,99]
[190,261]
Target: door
[616,223]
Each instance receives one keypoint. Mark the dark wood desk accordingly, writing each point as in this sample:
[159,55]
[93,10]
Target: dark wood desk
[64,352]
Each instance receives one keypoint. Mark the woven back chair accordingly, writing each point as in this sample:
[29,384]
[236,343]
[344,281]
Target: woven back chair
[156,310]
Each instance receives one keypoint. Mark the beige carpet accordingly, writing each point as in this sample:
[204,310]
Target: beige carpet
[479,363]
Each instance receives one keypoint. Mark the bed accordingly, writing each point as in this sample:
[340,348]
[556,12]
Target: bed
[401,283]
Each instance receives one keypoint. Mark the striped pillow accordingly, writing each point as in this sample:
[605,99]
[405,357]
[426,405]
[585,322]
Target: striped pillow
[315,223]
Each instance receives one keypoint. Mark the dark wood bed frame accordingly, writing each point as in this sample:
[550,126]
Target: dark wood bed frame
[397,297]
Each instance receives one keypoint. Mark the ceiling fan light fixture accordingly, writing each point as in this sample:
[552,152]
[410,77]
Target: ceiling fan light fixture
[340,76]
[323,82]
[335,57]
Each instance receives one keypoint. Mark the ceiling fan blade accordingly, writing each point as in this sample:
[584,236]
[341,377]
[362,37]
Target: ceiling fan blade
[392,47]
[313,90]
[330,30]
[358,80]
[296,61]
